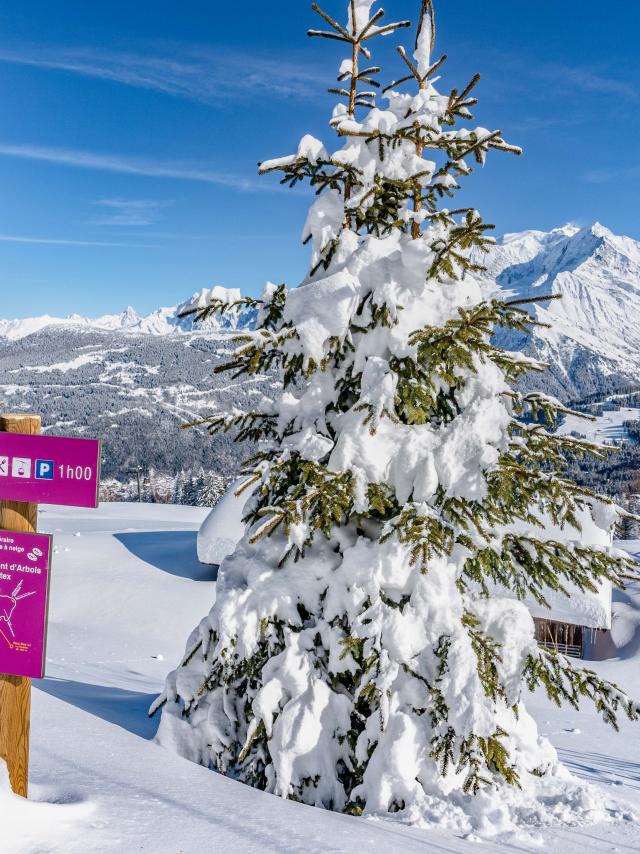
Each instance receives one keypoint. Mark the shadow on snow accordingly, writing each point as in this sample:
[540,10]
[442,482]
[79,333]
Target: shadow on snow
[170,551]
[126,709]
[607,770]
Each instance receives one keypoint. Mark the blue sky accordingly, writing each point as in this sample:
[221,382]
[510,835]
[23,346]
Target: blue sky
[130,135]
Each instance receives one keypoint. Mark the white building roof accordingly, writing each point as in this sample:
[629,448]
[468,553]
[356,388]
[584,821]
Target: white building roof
[582,608]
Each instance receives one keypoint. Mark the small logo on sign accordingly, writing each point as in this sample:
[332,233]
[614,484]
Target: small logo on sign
[44,470]
[4,466]
[20,467]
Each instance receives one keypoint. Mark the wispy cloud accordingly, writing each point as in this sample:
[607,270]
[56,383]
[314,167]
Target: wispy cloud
[604,176]
[587,79]
[54,241]
[515,71]
[213,237]
[129,211]
[129,165]
[198,74]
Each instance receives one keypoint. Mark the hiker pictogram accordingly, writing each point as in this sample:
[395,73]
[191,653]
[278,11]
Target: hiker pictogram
[8,604]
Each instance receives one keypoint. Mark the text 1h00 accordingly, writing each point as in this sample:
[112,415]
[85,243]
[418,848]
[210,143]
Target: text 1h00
[69,472]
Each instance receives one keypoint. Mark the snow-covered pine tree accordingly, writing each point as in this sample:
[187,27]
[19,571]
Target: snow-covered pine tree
[179,486]
[212,487]
[197,482]
[368,650]
[191,486]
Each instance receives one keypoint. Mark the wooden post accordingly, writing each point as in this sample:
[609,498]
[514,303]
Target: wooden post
[15,691]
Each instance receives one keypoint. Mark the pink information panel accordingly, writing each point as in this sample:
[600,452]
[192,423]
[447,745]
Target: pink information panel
[49,469]
[25,561]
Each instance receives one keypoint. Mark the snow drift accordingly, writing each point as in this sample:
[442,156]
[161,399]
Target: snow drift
[223,528]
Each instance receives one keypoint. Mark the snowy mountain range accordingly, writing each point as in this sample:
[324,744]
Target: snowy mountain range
[162,321]
[132,379]
[593,343]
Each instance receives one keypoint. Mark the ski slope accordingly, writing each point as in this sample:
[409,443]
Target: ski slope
[606,428]
[127,589]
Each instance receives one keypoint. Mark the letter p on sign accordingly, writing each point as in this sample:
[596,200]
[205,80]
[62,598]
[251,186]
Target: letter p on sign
[44,469]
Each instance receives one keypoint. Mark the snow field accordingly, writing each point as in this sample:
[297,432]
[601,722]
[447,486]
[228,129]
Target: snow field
[606,428]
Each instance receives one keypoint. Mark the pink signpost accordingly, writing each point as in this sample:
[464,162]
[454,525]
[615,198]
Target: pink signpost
[49,469]
[34,469]
[25,561]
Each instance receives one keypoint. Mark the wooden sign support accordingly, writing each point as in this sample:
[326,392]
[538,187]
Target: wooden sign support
[15,691]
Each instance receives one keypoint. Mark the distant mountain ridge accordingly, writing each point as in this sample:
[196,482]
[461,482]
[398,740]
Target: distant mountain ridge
[162,321]
[133,379]
[593,343]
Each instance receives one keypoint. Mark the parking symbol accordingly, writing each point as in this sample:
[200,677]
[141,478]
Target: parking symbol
[44,470]
[20,467]
[4,466]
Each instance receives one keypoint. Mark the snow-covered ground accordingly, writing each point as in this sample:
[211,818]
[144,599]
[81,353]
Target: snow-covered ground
[127,588]
[608,427]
